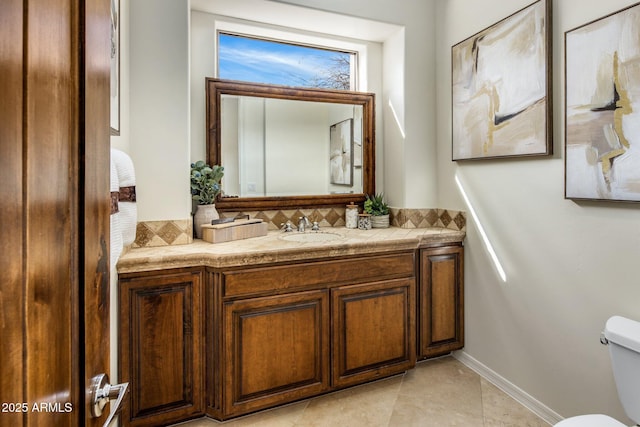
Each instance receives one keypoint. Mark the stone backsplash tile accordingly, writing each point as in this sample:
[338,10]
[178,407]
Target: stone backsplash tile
[163,233]
[180,232]
[326,217]
[424,218]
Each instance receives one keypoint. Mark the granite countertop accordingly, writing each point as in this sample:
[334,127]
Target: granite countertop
[272,248]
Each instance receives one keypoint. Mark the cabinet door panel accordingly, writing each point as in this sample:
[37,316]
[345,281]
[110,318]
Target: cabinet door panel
[441,301]
[443,298]
[373,327]
[160,355]
[277,348]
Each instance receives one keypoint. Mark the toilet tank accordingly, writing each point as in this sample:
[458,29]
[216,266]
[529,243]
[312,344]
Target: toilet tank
[624,348]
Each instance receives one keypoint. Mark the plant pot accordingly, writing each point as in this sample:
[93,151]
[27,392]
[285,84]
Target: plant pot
[380,221]
[204,214]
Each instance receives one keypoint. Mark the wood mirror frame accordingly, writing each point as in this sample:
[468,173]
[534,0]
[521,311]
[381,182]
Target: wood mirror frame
[215,88]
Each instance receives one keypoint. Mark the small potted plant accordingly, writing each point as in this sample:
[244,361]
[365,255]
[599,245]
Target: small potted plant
[378,209]
[205,187]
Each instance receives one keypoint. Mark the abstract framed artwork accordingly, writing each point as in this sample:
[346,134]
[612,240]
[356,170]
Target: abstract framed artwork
[501,88]
[602,108]
[341,152]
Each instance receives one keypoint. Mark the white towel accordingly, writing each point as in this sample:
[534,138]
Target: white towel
[124,165]
[116,232]
[128,210]
[128,222]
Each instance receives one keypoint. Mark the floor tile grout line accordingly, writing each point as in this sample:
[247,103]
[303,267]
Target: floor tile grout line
[395,402]
[484,420]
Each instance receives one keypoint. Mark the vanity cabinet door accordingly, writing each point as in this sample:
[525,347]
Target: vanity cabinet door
[276,350]
[373,330]
[441,301]
[160,350]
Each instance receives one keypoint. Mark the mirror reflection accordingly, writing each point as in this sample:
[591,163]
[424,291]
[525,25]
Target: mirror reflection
[283,147]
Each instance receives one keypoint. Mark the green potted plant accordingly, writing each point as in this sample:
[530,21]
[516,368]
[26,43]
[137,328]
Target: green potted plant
[378,209]
[205,187]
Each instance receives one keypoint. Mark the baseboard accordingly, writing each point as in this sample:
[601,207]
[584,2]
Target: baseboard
[521,396]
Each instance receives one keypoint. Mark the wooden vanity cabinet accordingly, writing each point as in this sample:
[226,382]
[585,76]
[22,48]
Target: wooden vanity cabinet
[161,346]
[230,341]
[440,300]
[293,331]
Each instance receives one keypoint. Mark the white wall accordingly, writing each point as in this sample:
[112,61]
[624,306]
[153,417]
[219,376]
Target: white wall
[569,266]
[159,107]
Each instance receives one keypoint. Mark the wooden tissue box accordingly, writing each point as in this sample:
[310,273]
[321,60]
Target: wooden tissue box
[236,230]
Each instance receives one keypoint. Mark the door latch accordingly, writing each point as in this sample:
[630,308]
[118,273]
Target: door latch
[101,392]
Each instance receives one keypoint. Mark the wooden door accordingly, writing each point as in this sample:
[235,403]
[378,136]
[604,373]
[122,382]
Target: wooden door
[54,187]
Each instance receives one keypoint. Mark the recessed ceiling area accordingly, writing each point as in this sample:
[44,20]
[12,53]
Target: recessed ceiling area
[276,13]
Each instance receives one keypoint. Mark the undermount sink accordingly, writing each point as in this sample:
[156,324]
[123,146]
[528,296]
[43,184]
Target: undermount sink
[311,237]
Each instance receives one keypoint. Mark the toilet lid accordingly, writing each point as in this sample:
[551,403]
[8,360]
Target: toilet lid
[595,420]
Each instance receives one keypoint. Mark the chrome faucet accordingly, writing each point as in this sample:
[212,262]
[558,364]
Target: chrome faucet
[302,223]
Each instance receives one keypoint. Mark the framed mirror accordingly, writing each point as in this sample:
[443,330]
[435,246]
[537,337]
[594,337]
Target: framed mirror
[284,147]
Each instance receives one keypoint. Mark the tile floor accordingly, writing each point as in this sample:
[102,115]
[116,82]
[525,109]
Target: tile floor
[438,393]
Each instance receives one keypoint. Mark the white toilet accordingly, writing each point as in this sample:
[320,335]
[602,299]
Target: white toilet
[623,338]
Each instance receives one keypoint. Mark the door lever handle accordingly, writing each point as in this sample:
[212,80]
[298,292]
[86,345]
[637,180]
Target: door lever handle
[102,392]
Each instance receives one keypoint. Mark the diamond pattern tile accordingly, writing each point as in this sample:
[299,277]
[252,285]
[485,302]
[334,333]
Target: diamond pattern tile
[445,218]
[143,235]
[461,221]
[163,233]
[169,232]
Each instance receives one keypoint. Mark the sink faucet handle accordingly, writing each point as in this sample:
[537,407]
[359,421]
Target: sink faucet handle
[316,226]
[287,227]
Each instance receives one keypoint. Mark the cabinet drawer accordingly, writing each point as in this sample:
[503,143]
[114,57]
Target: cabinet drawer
[317,274]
